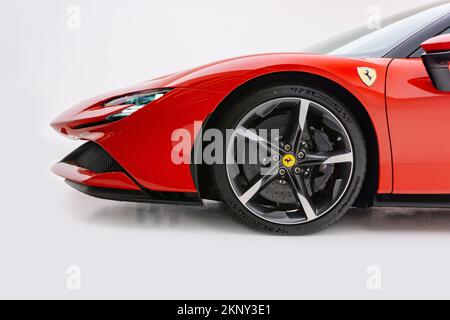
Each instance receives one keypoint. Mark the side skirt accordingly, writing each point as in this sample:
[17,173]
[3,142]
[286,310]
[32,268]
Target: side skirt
[412,200]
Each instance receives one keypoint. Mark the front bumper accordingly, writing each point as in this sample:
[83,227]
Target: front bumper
[142,142]
[93,171]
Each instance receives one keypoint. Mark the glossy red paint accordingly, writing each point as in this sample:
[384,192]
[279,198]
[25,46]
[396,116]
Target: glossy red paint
[142,144]
[115,180]
[436,44]
[419,126]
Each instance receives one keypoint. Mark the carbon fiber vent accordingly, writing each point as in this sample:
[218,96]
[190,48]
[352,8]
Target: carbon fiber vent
[93,157]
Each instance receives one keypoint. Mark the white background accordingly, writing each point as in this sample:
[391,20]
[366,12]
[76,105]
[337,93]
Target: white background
[157,251]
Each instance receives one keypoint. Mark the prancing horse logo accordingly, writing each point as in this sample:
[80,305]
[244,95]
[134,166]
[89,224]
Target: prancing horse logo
[367,75]
[288,161]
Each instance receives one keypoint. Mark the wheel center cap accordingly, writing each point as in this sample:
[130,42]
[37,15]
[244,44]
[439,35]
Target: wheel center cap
[288,160]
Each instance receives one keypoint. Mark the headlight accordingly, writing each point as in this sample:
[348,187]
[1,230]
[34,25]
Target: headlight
[136,102]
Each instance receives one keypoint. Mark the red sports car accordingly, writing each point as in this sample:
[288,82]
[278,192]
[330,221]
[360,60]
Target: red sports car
[364,124]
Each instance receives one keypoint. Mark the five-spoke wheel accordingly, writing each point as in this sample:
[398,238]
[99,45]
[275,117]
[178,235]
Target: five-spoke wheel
[305,161]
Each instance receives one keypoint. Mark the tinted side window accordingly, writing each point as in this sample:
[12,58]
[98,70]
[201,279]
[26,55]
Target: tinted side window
[420,51]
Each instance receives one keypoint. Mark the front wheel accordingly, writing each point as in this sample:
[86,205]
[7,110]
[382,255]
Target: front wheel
[315,164]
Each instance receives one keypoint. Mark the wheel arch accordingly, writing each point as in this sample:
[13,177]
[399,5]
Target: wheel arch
[201,172]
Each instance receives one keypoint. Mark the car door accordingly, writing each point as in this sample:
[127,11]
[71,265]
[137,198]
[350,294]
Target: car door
[419,124]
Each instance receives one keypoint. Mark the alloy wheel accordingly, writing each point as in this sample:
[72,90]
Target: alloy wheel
[306,172]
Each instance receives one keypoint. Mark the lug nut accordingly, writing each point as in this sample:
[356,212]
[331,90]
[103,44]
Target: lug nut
[282,172]
[276,157]
[297,170]
[301,155]
[287,147]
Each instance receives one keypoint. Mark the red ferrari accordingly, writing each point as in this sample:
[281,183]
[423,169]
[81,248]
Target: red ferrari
[363,124]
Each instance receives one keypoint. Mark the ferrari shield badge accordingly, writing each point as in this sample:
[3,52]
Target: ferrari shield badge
[367,75]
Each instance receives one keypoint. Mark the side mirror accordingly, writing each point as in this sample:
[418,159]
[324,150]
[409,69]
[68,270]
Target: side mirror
[437,61]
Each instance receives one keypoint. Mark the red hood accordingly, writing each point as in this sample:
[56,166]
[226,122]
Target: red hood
[185,78]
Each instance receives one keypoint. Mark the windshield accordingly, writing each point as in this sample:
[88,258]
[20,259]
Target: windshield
[380,42]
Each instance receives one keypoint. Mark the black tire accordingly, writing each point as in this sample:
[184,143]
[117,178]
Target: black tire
[236,111]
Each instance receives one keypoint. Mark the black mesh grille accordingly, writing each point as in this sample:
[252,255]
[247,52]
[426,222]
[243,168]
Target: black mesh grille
[93,157]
